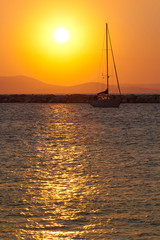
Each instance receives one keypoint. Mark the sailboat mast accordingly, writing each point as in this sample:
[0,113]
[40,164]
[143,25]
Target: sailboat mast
[107,58]
[114,63]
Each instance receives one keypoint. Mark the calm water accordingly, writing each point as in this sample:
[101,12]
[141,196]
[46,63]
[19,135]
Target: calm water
[71,171]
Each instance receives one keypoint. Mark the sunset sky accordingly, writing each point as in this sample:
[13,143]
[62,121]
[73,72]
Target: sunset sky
[28,46]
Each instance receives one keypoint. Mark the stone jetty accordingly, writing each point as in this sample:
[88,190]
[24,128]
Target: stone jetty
[75,98]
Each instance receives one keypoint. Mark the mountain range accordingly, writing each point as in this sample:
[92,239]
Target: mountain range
[27,85]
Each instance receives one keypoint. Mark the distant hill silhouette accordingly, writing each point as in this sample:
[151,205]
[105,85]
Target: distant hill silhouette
[26,85]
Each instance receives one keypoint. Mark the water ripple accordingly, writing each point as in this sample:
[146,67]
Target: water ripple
[75,172]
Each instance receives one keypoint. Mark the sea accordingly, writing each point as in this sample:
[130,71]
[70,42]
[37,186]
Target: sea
[72,171]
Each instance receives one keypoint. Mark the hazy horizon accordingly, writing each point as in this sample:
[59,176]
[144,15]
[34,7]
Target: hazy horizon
[27,85]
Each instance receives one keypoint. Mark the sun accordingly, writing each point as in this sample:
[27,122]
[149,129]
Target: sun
[61,35]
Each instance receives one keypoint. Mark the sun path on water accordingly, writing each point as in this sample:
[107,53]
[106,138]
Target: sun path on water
[61,35]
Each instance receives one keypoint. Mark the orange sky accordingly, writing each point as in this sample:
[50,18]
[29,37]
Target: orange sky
[27,46]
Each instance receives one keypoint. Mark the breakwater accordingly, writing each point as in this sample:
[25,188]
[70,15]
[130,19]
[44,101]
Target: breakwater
[75,98]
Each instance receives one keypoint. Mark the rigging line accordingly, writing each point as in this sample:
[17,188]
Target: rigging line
[107,33]
[101,67]
[114,63]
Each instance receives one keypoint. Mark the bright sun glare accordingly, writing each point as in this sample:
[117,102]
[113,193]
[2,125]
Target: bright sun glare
[61,35]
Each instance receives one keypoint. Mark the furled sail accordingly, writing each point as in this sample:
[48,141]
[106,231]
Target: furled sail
[105,92]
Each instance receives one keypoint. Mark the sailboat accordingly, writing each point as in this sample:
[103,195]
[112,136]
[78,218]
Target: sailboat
[103,99]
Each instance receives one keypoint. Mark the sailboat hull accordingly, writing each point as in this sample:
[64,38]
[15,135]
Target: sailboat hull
[106,103]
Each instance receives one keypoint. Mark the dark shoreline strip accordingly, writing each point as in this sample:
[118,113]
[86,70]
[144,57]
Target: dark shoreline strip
[75,98]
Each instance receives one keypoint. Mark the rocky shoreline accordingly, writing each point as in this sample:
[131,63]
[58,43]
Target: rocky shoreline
[75,98]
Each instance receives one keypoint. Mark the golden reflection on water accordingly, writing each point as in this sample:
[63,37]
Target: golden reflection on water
[75,174]
[60,194]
